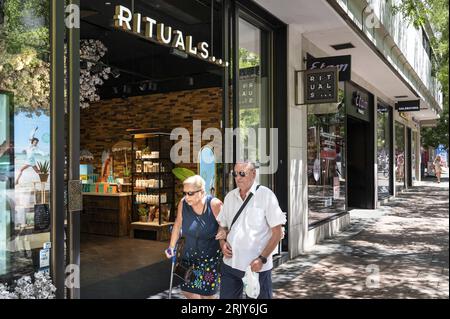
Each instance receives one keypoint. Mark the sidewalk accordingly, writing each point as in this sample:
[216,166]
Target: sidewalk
[397,251]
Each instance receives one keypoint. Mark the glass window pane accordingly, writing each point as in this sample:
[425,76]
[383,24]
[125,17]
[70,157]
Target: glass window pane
[399,156]
[24,138]
[254,95]
[326,159]
[383,151]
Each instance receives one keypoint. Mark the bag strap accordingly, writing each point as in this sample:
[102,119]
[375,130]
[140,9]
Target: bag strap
[242,207]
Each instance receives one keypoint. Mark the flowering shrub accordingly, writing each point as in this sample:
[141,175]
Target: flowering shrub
[25,288]
[90,78]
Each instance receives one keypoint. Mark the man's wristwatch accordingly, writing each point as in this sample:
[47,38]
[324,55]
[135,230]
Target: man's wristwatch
[263,259]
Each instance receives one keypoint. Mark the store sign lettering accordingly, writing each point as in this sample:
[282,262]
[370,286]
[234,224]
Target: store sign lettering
[342,63]
[321,86]
[360,103]
[157,32]
[408,106]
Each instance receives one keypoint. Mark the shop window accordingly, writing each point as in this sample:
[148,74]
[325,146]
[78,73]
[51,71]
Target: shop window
[326,160]
[383,151]
[399,156]
[254,105]
[413,156]
[24,138]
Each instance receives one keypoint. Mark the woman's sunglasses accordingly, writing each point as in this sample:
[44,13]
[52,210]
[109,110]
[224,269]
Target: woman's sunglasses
[241,174]
[191,193]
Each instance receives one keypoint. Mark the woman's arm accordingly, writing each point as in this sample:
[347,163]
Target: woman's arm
[216,206]
[176,228]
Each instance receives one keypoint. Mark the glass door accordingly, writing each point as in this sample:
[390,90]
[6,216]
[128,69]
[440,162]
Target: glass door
[254,89]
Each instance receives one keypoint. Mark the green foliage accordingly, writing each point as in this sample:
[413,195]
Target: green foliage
[43,167]
[26,25]
[142,211]
[182,173]
[24,51]
[247,59]
[437,12]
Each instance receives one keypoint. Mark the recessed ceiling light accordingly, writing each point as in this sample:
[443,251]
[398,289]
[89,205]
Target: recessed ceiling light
[107,3]
[343,46]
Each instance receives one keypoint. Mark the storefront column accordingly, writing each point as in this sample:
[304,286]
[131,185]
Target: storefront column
[375,148]
[297,143]
[73,220]
[57,30]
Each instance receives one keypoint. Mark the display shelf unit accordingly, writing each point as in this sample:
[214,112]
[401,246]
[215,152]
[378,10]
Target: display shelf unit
[152,181]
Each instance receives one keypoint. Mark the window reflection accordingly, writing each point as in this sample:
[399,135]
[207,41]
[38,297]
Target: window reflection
[399,156]
[24,138]
[383,151]
[326,160]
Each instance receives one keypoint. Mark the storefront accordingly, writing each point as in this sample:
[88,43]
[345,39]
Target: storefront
[384,150]
[146,68]
[400,162]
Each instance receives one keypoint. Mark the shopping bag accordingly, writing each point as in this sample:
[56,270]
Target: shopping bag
[251,283]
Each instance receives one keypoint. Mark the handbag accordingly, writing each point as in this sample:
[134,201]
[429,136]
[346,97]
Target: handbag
[182,269]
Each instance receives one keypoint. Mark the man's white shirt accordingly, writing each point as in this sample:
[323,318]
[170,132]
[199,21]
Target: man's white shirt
[252,230]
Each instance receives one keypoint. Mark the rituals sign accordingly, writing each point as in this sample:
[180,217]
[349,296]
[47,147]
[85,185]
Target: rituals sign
[321,86]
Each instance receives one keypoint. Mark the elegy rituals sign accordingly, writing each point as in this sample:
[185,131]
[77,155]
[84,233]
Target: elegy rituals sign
[342,62]
[321,86]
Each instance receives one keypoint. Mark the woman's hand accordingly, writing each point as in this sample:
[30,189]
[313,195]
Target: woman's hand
[221,234]
[170,252]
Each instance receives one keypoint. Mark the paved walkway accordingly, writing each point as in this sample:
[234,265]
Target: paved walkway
[397,251]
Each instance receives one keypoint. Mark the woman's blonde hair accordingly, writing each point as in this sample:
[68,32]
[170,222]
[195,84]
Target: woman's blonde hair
[197,181]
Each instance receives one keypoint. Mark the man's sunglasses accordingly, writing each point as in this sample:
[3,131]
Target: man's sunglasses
[191,193]
[241,174]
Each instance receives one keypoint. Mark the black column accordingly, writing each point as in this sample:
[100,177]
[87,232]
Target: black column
[73,89]
[57,30]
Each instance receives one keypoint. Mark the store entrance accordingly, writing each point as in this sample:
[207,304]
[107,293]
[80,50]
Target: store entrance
[134,92]
[360,164]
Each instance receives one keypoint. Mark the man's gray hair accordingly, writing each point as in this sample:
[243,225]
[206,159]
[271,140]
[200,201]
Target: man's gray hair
[252,164]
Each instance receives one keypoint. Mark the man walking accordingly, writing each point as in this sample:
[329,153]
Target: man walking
[252,237]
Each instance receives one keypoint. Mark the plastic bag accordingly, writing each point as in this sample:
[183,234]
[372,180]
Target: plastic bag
[251,283]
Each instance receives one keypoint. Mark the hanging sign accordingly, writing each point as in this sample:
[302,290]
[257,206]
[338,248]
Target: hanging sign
[342,62]
[158,32]
[360,102]
[321,86]
[408,106]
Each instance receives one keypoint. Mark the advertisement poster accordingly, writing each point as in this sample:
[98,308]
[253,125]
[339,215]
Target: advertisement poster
[207,169]
[32,146]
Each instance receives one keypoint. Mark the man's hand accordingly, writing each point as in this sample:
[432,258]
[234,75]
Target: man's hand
[221,234]
[226,249]
[256,265]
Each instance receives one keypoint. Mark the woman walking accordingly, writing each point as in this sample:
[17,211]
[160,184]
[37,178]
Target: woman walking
[196,219]
[438,168]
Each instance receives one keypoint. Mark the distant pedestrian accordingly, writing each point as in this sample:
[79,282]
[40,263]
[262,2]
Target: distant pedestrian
[253,237]
[438,168]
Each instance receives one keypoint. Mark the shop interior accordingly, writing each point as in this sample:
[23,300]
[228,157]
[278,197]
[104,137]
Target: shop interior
[142,91]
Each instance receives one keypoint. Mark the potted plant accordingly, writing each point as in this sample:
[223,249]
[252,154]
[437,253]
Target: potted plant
[126,175]
[43,168]
[142,211]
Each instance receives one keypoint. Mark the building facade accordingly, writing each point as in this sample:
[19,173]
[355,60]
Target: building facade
[330,158]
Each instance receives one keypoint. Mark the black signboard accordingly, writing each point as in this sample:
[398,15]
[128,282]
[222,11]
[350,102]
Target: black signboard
[321,86]
[41,217]
[249,88]
[408,106]
[342,62]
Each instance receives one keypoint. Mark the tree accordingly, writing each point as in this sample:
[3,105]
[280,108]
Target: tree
[435,11]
